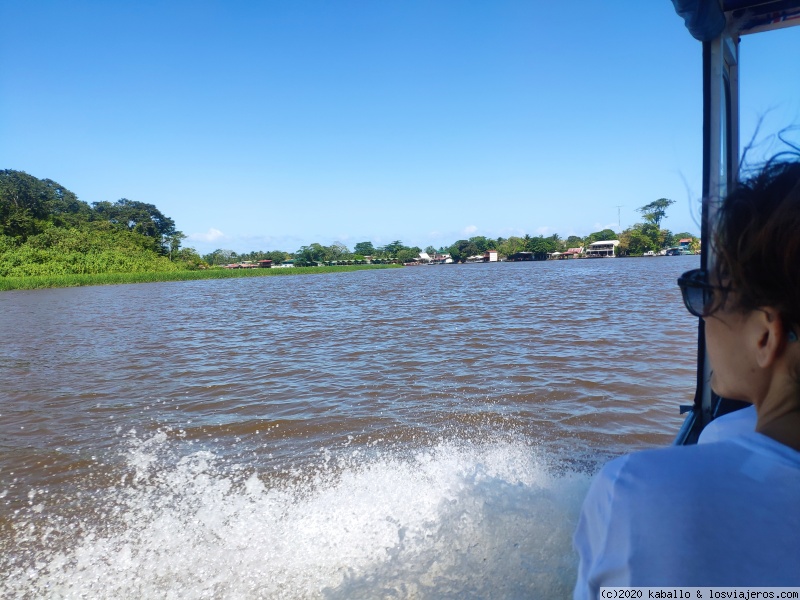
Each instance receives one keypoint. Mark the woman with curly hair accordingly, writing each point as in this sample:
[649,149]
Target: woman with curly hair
[725,513]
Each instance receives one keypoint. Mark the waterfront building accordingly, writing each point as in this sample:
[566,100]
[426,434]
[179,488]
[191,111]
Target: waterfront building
[602,249]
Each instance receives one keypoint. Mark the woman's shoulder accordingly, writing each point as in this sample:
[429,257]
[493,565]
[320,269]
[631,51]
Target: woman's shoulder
[732,424]
[663,468]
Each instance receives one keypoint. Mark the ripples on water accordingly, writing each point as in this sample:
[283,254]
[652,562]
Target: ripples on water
[415,433]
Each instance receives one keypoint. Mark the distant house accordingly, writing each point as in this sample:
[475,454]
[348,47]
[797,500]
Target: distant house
[517,256]
[573,252]
[490,256]
[265,264]
[245,264]
[685,243]
[602,249]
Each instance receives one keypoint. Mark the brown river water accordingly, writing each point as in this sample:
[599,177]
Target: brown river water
[424,432]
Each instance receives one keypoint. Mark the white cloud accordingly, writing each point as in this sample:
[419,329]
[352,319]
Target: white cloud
[211,235]
[613,226]
[469,229]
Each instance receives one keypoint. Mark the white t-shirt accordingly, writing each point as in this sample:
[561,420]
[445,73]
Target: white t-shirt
[718,514]
[732,424]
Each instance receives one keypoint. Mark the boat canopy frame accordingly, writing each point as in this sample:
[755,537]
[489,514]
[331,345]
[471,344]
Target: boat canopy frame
[719,24]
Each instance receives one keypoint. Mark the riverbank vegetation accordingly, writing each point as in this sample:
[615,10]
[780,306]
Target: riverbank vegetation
[46,230]
[52,281]
[48,237]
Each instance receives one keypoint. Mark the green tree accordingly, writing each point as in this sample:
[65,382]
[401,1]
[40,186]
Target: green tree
[337,252]
[309,256]
[430,250]
[511,246]
[462,250]
[28,205]
[63,206]
[189,259]
[405,255]
[574,241]
[175,243]
[656,211]
[657,236]
[642,239]
[482,244]
[393,248]
[364,249]
[542,246]
[276,256]
[139,217]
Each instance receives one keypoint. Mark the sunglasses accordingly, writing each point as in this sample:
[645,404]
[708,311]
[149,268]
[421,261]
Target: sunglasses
[699,295]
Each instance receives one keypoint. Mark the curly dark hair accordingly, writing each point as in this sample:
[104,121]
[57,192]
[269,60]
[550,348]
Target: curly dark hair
[757,241]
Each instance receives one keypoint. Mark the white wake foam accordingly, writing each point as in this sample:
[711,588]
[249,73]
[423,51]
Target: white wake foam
[450,521]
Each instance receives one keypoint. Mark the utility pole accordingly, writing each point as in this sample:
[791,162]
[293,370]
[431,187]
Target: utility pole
[619,219]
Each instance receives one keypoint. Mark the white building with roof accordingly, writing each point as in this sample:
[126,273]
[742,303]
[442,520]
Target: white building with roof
[602,249]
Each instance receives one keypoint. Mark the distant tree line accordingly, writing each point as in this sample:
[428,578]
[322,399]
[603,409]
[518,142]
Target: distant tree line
[46,229]
[317,254]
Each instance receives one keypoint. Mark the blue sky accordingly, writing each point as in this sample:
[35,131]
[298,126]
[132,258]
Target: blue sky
[271,125]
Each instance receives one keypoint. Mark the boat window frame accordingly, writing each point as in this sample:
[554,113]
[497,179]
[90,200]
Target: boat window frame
[720,167]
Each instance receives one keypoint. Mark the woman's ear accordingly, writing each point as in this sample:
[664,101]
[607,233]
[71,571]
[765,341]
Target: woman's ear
[771,336]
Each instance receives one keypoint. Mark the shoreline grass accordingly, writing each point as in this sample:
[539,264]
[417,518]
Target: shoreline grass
[36,282]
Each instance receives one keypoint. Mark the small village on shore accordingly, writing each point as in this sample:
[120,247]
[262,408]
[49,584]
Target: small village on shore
[599,249]
[645,239]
